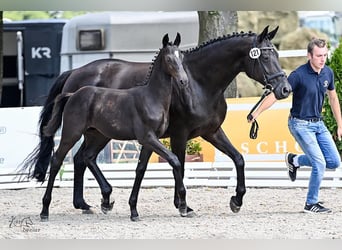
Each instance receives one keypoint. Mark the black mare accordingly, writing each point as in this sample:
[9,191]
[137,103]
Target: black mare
[210,68]
[140,113]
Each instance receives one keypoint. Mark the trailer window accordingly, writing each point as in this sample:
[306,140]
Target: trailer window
[90,40]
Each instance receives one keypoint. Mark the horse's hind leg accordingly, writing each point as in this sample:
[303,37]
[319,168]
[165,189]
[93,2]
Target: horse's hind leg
[221,142]
[106,188]
[93,143]
[79,169]
[56,163]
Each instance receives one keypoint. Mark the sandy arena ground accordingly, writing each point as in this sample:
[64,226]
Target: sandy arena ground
[266,214]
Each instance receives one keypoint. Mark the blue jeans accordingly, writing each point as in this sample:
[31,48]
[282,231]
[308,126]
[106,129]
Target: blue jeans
[319,150]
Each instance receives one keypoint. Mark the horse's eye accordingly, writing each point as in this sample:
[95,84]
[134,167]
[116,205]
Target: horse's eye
[168,59]
[265,56]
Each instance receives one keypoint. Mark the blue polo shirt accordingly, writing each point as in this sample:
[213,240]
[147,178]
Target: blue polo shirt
[309,89]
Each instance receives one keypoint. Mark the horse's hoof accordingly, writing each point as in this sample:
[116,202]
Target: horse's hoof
[106,209]
[233,206]
[183,212]
[44,218]
[189,209]
[87,211]
[81,205]
[191,214]
[135,218]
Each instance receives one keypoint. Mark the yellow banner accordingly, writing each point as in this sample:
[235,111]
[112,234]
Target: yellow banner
[274,138]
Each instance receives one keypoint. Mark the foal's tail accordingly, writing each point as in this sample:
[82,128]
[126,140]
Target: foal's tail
[41,155]
[57,114]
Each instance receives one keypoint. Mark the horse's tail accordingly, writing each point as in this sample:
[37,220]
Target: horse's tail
[57,115]
[55,90]
[41,155]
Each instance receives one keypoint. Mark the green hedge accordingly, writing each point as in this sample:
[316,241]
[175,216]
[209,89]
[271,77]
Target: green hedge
[335,62]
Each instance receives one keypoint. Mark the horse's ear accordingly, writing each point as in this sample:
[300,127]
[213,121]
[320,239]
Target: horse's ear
[272,34]
[263,34]
[177,40]
[165,40]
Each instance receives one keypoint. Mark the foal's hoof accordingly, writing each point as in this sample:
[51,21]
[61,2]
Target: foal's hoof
[233,205]
[44,218]
[87,211]
[134,218]
[105,209]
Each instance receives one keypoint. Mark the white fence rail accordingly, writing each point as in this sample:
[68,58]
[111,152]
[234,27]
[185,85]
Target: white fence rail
[220,174]
[214,174]
[292,53]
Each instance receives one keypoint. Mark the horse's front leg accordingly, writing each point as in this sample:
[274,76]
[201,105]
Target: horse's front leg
[144,156]
[220,141]
[152,141]
[178,146]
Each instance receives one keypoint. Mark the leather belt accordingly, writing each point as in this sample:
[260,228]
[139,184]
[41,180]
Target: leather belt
[316,119]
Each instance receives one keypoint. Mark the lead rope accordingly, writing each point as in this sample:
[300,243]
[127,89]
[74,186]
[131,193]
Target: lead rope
[253,133]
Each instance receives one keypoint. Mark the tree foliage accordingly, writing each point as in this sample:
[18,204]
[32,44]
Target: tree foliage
[335,62]
[24,15]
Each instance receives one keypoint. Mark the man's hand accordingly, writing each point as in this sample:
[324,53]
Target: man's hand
[339,133]
[250,118]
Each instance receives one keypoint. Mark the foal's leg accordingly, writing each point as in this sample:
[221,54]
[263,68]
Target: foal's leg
[93,143]
[79,169]
[144,156]
[153,143]
[56,163]
[221,142]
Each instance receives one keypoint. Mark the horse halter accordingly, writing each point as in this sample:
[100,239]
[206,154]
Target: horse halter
[255,54]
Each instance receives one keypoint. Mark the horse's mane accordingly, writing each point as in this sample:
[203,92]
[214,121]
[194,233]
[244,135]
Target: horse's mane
[198,47]
[218,39]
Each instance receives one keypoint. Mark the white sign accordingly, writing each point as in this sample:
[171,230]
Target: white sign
[18,135]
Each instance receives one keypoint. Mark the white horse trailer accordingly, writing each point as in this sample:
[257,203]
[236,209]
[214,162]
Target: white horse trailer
[132,36]
[54,46]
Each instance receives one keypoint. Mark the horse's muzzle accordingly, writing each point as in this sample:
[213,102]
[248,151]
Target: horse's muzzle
[286,91]
[282,91]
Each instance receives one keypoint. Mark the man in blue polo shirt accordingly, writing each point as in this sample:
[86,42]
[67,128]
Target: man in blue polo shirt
[310,82]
